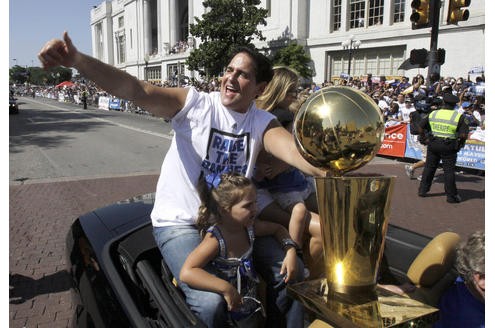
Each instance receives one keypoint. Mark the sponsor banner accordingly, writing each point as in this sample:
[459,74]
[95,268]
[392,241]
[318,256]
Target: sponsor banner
[394,142]
[413,147]
[114,104]
[103,102]
[472,155]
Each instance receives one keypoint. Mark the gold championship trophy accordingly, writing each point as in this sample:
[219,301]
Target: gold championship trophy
[340,129]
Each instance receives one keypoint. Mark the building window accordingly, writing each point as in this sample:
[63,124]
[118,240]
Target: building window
[99,41]
[377,61]
[375,12]
[399,10]
[120,41]
[366,13]
[154,73]
[336,15]
[175,73]
[268,7]
[338,63]
[358,12]
[359,65]
[384,64]
[121,21]
[372,63]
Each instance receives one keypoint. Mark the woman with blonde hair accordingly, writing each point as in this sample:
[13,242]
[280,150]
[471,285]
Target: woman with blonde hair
[285,194]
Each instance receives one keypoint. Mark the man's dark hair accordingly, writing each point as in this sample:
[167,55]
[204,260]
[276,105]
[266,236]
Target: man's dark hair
[263,65]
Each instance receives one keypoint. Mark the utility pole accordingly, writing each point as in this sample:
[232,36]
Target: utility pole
[434,55]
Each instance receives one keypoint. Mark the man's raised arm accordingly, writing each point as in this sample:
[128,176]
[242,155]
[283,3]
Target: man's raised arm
[162,102]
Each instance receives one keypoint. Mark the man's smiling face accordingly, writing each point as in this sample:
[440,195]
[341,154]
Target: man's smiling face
[239,87]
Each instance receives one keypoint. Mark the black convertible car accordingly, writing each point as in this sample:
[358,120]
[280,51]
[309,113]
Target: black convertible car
[120,279]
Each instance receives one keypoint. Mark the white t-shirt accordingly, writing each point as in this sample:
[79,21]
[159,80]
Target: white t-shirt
[406,112]
[383,104]
[207,137]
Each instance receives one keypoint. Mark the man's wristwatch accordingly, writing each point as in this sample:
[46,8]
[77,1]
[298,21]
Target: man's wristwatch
[288,243]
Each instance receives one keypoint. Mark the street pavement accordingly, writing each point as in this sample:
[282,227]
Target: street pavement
[41,213]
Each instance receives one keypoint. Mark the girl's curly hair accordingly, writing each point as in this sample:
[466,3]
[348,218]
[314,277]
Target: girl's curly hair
[231,189]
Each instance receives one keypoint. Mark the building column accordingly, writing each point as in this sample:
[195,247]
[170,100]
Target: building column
[174,22]
[388,14]
[147,26]
[344,17]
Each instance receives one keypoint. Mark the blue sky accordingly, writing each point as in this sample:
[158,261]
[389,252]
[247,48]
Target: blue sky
[33,22]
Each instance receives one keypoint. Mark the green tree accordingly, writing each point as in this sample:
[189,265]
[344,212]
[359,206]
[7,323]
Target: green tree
[225,25]
[18,74]
[296,58]
[39,76]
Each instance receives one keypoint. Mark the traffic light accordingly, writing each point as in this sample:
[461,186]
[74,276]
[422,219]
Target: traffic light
[420,18]
[419,57]
[440,56]
[456,11]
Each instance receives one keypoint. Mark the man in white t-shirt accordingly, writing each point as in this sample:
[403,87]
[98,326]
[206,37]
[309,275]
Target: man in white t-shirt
[406,108]
[211,131]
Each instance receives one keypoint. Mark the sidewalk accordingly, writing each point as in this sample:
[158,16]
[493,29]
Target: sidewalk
[40,217]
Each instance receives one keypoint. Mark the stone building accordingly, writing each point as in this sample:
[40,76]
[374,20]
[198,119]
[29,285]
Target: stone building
[149,38]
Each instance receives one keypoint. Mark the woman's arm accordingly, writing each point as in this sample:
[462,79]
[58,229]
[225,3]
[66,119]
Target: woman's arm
[193,274]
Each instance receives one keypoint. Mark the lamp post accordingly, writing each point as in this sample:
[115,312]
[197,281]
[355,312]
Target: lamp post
[350,44]
[146,60]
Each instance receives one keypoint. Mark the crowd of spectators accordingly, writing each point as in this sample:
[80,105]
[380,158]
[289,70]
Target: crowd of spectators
[396,98]
[179,47]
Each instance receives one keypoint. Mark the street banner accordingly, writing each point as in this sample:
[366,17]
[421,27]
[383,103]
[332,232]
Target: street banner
[413,147]
[394,142]
[103,102]
[115,104]
[472,155]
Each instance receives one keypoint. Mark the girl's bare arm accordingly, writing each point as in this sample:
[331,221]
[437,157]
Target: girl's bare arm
[193,274]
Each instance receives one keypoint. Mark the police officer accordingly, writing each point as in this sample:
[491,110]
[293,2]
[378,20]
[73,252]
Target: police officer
[446,131]
[84,99]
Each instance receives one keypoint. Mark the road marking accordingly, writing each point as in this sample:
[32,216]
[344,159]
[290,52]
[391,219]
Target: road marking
[48,158]
[125,126]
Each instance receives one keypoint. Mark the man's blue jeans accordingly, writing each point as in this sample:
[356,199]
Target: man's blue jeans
[177,242]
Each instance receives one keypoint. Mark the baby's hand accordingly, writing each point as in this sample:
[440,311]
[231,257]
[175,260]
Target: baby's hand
[289,265]
[232,298]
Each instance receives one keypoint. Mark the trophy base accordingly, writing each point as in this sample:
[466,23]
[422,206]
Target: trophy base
[366,293]
[384,309]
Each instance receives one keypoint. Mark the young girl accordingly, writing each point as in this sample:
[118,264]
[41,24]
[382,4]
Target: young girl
[228,213]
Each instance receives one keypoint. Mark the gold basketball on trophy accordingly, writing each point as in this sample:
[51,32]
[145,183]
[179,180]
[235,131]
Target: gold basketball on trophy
[339,129]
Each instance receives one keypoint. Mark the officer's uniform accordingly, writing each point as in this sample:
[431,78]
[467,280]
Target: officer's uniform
[85,99]
[448,131]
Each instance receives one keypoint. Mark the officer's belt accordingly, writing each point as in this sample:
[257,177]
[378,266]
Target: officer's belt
[443,139]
